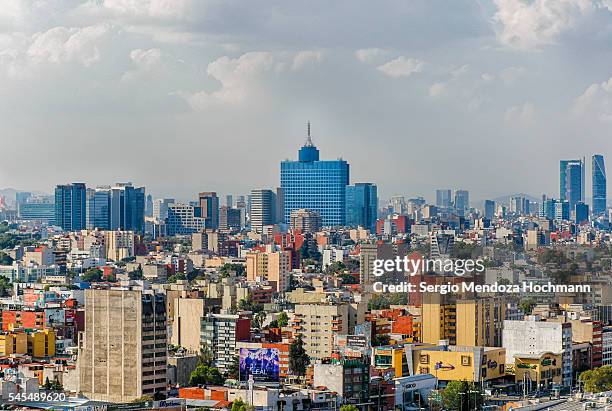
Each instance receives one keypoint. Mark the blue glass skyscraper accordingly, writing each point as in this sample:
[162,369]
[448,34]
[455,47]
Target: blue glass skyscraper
[121,207]
[70,206]
[571,181]
[599,185]
[361,205]
[315,185]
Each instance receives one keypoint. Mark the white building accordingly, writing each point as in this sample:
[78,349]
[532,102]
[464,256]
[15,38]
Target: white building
[533,336]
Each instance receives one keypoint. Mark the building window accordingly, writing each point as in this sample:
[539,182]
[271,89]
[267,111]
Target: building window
[424,359]
[465,360]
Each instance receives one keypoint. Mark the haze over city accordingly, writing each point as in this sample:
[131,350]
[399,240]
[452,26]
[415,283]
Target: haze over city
[181,96]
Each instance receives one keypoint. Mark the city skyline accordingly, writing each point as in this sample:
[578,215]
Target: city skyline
[152,91]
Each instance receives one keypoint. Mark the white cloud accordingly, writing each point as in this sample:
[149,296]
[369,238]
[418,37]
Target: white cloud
[402,67]
[150,8]
[238,78]
[306,57]
[368,55]
[146,59]
[531,24]
[521,115]
[510,74]
[437,89]
[596,101]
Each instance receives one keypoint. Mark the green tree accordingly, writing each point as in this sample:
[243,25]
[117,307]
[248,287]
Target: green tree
[136,274]
[206,355]
[526,305]
[298,359]
[175,277]
[233,370]
[283,319]
[144,398]
[239,405]
[598,379]
[247,304]
[204,374]
[5,259]
[92,275]
[5,286]
[462,395]
[349,407]
[226,268]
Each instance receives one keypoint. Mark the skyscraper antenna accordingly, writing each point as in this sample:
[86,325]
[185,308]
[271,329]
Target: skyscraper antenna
[308,139]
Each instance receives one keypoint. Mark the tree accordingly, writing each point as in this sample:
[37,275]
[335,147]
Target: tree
[526,305]
[5,259]
[136,274]
[282,319]
[226,268]
[92,275]
[233,370]
[5,286]
[298,359]
[239,405]
[204,374]
[462,395]
[206,355]
[597,380]
[174,278]
[144,398]
[247,304]
[349,407]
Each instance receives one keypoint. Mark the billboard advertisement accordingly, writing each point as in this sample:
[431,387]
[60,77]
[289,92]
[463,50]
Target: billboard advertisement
[261,363]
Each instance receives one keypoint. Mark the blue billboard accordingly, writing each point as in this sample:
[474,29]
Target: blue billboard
[261,363]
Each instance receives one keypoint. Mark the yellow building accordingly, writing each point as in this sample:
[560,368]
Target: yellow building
[456,363]
[41,343]
[391,357]
[539,370]
[270,266]
[470,322]
[13,343]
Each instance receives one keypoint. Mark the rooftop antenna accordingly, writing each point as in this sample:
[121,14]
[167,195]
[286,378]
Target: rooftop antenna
[308,140]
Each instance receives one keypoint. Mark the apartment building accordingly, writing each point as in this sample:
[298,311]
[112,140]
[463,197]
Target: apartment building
[469,322]
[123,350]
[318,323]
[220,333]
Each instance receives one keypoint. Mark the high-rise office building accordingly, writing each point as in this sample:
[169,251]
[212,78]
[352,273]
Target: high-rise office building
[160,208]
[70,206]
[571,181]
[209,205]
[229,218]
[149,206]
[581,213]
[562,210]
[229,200]
[519,205]
[184,219]
[38,209]
[123,350]
[599,185]
[489,209]
[121,207]
[547,208]
[443,198]
[462,201]
[361,205]
[315,185]
[98,208]
[263,209]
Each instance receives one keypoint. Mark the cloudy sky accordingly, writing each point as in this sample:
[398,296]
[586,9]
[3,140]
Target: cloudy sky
[190,95]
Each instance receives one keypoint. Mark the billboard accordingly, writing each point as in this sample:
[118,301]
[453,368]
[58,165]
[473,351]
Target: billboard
[261,363]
